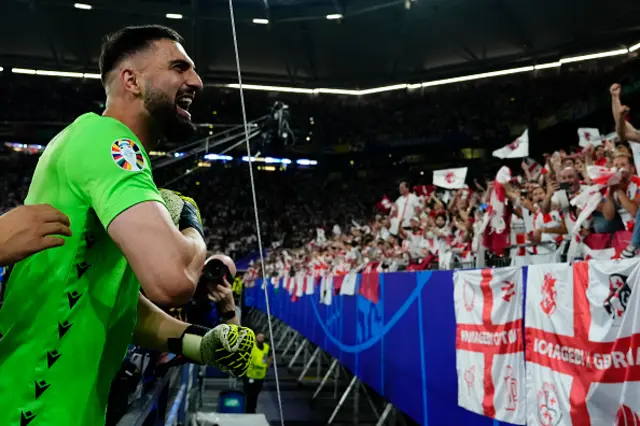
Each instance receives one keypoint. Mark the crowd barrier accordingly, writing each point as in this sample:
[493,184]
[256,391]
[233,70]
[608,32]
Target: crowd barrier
[403,346]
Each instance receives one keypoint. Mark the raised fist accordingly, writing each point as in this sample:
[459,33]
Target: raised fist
[615,90]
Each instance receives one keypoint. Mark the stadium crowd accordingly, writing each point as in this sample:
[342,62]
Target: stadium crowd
[554,211]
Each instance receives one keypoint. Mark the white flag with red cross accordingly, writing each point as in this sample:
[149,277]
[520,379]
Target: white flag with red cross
[517,149]
[583,343]
[489,343]
[589,136]
[450,178]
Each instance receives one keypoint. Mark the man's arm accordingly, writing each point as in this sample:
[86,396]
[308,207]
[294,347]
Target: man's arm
[167,262]
[609,206]
[27,230]
[227,347]
[629,205]
[558,230]
[155,327]
[624,129]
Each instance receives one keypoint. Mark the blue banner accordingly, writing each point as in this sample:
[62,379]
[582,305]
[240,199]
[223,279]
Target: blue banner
[404,346]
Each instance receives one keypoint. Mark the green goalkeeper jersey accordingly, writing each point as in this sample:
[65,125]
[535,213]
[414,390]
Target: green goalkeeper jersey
[69,313]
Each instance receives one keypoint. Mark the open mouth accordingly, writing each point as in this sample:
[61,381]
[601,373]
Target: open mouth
[182,106]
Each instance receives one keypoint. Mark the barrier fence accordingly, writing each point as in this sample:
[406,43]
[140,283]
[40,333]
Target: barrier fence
[403,346]
[432,341]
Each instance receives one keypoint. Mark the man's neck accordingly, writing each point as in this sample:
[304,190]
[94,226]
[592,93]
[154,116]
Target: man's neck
[137,123]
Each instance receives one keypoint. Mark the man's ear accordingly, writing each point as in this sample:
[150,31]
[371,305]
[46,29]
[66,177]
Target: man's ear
[130,80]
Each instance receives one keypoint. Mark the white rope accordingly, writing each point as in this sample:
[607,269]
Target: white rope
[255,205]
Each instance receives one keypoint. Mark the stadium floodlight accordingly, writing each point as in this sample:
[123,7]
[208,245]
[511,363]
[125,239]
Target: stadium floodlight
[547,65]
[334,16]
[270,88]
[23,71]
[634,47]
[595,56]
[173,16]
[338,91]
[260,21]
[218,157]
[305,162]
[383,89]
[1,69]
[477,76]
[82,6]
[60,74]
[29,71]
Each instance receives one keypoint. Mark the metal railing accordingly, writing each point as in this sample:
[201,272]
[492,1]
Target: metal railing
[166,402]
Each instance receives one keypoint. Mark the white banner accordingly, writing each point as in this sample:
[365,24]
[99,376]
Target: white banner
[583,343]
[326,289]
[489,343]
[349,284]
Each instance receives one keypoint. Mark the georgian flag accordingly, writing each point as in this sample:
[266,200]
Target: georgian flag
[450,178]
[516,149]
[589,136]
[582,326]
[489,343]
[588,199]
[496,224]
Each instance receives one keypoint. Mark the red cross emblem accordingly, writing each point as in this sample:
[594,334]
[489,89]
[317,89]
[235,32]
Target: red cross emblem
[597,362]
[450,177]
[587,136]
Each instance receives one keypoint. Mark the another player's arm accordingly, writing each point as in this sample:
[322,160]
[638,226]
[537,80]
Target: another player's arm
[26,230]
[167,262]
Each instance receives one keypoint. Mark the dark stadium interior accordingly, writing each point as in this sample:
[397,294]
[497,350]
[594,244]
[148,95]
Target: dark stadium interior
[322,211]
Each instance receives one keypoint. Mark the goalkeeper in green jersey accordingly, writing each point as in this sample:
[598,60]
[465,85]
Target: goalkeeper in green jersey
[70,312]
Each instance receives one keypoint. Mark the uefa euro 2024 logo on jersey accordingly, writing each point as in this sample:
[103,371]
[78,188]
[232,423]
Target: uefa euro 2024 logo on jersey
[127,155]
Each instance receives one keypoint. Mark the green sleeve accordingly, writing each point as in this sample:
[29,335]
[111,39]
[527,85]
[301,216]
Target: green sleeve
[110,169]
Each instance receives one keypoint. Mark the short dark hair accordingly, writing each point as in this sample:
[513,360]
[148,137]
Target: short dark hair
[130,40]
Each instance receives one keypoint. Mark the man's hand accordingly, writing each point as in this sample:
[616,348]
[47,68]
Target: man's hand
[536,236]
[615,90]
[229,348]
[222,295]
[27,230]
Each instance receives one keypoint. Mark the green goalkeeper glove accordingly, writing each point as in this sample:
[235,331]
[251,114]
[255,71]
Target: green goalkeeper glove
[226,347]
[183,210]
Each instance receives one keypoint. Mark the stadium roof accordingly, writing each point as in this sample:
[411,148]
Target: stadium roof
[376,42]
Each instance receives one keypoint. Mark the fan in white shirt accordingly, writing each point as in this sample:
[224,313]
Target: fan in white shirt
[406,206]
